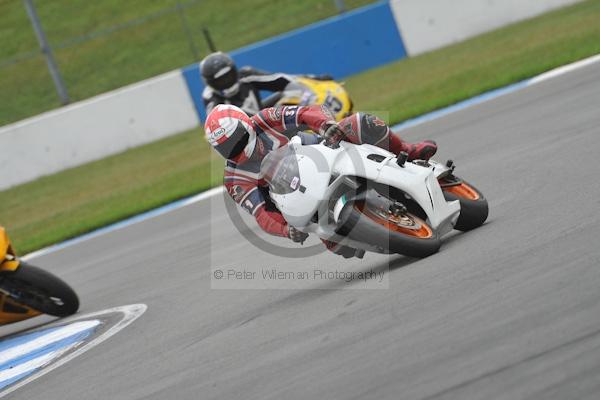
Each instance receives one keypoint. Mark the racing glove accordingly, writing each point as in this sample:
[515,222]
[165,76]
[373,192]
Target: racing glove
[333,134]
[296,235]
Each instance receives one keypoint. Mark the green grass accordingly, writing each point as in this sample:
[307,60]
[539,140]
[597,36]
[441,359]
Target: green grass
[78,200]
[414,86]
[155,44]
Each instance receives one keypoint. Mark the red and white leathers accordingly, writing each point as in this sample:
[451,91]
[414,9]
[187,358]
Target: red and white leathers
[274,127]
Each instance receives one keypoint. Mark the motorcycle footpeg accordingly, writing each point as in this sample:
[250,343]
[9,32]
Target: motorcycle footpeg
[402,158]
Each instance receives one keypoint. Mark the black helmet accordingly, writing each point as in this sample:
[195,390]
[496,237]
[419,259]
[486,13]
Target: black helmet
[220,73]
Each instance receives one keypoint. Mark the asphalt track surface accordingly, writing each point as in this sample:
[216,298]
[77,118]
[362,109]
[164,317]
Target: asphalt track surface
[509,311]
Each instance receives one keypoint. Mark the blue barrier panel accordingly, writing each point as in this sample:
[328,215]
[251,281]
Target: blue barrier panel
[339,46]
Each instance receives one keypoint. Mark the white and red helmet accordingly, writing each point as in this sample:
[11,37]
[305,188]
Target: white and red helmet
[230,132]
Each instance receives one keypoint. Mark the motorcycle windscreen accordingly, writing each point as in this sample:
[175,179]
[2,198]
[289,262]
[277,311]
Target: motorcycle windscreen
[280,169]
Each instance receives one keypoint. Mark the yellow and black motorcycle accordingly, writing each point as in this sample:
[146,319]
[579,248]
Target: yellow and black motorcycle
[27,291]
[306,91]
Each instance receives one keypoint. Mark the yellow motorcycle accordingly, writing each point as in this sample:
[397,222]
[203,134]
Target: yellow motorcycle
[27,291]
[306,91]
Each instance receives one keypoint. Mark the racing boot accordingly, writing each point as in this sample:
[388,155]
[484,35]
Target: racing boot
[341,250]
[416,151]
[420,151]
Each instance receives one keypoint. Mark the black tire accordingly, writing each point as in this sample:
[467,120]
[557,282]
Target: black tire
[40,290]
[473,212]
[358,226]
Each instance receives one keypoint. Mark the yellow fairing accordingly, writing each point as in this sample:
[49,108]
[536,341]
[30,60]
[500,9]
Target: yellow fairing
[329,93]
[8,259]
[11,311]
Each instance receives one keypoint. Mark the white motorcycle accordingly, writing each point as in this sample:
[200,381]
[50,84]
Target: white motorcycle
[367,198]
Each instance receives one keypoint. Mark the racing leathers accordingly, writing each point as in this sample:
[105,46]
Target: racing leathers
[275,126]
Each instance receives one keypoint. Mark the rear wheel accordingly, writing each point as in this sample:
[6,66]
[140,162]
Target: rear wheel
[474,208]
[397,232]
[40,290]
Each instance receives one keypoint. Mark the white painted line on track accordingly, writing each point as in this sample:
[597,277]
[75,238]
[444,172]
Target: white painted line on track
[130,314]
[51,337]
[564,70]
[479,99]
[34,364]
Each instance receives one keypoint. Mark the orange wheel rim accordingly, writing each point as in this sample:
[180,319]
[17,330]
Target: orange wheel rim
[406,223]
[463,190]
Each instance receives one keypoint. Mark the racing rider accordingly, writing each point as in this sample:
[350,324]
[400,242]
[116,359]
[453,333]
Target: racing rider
[244,141]
[226,85]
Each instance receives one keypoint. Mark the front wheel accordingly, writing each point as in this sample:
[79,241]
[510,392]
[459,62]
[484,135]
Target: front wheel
[40,290]
[402,233]
[474,208]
